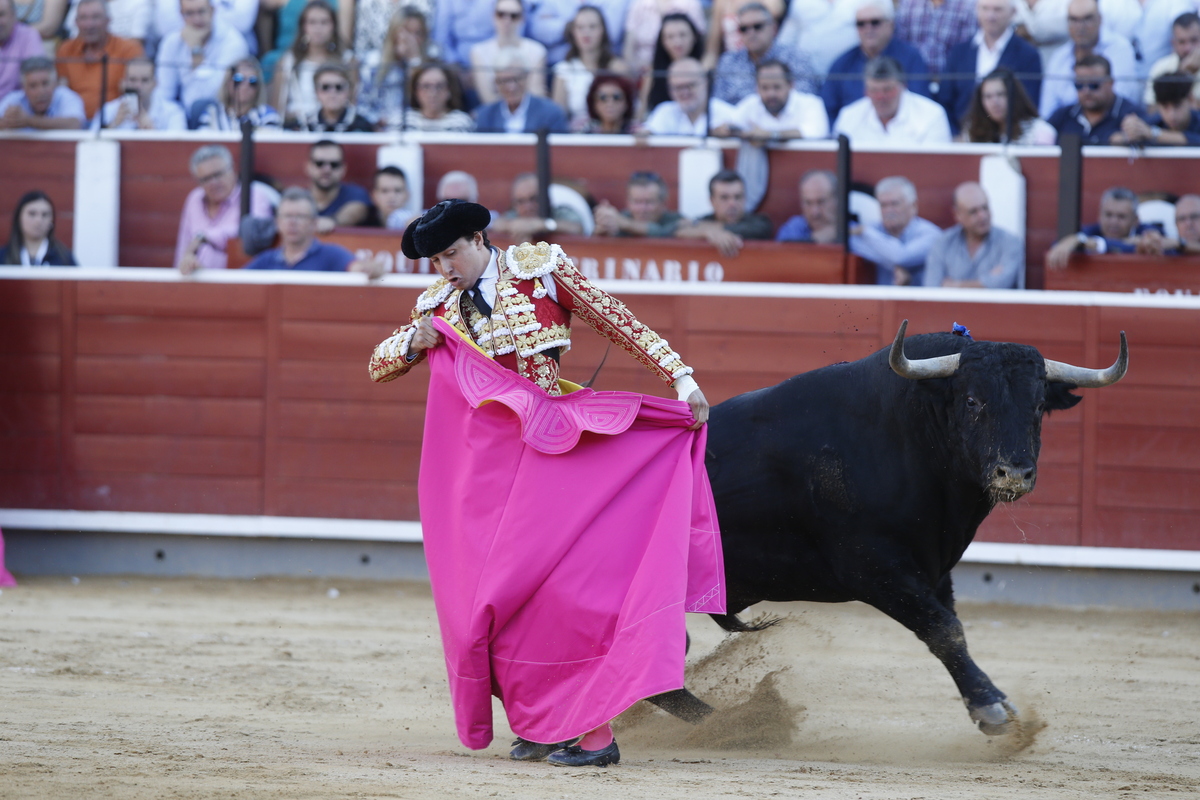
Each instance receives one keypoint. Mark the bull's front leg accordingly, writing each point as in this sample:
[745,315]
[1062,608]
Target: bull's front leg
[917,607]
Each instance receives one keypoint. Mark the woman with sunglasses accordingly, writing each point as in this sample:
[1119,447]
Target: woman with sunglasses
[384,97]
[988,115]
[31,241]
[509,16]
[437,104]
[316,43]
[590,52]
[240,99]
[610,104]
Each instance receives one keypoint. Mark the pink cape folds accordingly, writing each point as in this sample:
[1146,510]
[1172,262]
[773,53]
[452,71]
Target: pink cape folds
[6,578]
[566,537]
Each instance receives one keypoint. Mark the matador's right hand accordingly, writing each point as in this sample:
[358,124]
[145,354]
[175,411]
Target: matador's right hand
[426,336]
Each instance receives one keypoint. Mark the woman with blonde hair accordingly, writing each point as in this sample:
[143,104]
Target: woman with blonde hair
[405,47]
[316,43]
[241,99]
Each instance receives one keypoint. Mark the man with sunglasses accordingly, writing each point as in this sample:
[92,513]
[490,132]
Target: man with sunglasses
[876,37]
[338,203]
[1088,36]
[736,71]
[335,114]
[1098,112]
[140,107]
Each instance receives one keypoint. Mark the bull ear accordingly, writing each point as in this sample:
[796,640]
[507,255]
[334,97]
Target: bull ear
[1059,397]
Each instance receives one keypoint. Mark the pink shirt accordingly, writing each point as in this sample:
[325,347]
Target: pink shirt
[22,44]
[217,229]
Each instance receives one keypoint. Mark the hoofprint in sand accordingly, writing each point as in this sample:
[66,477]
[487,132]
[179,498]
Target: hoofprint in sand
[149,688]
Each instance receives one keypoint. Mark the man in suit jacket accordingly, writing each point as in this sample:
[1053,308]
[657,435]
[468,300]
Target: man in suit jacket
[518,111]
[994,45]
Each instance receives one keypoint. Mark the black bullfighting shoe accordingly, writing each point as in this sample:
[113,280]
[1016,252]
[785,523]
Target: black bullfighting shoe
[525,750]
[576,756]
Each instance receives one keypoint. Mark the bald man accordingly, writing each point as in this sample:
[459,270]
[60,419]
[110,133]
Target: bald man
[974,253]
[1087,37]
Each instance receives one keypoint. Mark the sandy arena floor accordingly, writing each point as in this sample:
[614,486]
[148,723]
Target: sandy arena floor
[148,688]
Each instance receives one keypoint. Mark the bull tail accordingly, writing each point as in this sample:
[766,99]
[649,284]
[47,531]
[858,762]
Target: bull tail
[734,624]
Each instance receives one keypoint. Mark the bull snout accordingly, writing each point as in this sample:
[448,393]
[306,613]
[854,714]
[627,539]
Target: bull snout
[1011,480]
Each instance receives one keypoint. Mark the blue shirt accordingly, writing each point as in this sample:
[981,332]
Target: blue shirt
[735,78]
[908,250]
[348,193]
[844,83]
[1120,245]
[1191,132]
[1070,119]
[320,257]
[63,103]
[796,229]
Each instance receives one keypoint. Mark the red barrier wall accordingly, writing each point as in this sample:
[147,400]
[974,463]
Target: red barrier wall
[254,399]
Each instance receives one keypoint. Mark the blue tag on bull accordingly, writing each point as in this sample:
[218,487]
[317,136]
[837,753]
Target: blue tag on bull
[961,330]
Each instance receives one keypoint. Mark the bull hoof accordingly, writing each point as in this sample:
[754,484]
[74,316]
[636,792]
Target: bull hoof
[996,719]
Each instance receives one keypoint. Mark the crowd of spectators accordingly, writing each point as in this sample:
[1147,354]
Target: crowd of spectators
[886,71]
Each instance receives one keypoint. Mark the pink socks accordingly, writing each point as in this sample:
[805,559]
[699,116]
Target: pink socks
[597,739]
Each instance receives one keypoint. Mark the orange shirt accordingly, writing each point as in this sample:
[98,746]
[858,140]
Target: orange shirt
[84,78]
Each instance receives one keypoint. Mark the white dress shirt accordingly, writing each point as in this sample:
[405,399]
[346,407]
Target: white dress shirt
[987,60]
[918,120]
[803,112]
[668,118]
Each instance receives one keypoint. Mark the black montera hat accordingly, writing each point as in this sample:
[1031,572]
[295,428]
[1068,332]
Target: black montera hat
[442,225]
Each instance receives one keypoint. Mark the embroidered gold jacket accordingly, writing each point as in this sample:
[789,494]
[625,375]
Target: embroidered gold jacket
[526,326]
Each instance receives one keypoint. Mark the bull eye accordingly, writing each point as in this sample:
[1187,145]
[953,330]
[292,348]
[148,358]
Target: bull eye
[972,403]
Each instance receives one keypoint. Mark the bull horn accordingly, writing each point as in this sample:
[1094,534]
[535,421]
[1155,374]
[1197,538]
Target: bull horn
[1058,372]
[921,369]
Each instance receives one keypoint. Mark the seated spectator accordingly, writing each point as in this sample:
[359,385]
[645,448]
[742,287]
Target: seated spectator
[509,17]
[192,61]
[18,42]
[645,214]
[590,53]
[40,104]
[644,22]
[241,99]
[129,19]
[1187,226]
[975,253]
[899,243]
[933,28]
[1152,34]
[45,17]
[389,200]
[237,15]
[735,76]
[317,43]
[437,104]
[678,38]
[338,203]
[212,211]
[890,114]
[817,224]
[730,224]
[994,47]
[459,25]
[336,113]
[550,19]
[1088,38]
[777,112]
[724,35]
[1099,112]
[79,59]
[1184,57]
[1175,124]
[988,114]
[31,241]
[366,27]
[876,34]
[458,185]
[518,111]
[140,108]
[299,248]
[689,112]
[384,98]
[1118,230]
[524,222]
[610,104]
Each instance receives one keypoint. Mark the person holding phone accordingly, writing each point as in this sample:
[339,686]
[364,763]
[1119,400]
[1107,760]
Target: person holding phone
[140,107]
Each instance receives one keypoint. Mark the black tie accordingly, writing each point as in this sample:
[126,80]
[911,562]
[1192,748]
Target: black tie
[477,298]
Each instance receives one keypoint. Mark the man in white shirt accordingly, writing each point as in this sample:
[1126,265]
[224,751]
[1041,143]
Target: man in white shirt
[1184,57]
[689,112]
[192,61]
[1087,37]
[141,108]
[777,112]
[890,114]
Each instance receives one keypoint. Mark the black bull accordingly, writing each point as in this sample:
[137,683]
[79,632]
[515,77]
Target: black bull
[867,481]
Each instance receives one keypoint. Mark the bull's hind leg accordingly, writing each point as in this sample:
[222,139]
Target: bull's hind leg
[920,609]
[683,704]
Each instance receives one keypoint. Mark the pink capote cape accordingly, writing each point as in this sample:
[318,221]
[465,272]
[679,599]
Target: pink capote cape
[565,537]
[6,578]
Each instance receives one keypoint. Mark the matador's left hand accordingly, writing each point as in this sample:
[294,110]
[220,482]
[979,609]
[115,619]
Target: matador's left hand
[699,405]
